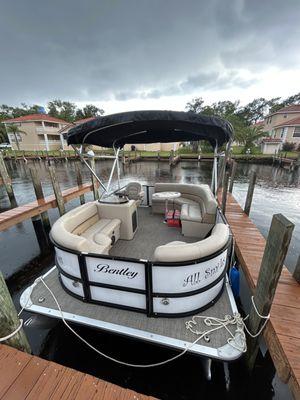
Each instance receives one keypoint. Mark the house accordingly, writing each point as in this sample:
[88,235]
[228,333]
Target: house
[270,145]
[36,132]
[284,124]
[288,131]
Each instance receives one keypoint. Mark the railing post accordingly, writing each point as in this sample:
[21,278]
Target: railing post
[277,245]
[296,273]
[57,191]
[7,182]
[224,192]
[94,181]
[250,192]
[79,182]
[232,175]
[9,320]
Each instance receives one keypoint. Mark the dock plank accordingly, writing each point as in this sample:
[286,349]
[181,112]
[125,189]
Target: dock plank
[283,330]
[19,214]
[26,379]
[23,376]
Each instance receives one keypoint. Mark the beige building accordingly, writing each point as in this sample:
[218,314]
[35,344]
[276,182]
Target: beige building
[36,132]
[284,124]
[154,146]
[270,145]
[288,131]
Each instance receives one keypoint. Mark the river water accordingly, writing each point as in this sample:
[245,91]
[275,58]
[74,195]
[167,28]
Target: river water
[276,191]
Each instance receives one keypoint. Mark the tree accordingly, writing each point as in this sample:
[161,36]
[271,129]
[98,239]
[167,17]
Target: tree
[3,134]
[196,105]
[255,110]
[14,129]
[62,109]
[89,111]
[248,136]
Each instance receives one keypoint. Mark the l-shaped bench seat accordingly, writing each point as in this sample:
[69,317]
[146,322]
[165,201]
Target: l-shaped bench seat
[197,205]
[83,230]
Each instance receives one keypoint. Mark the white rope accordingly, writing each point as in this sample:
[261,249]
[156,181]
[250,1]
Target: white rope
[9,336]
[215,323]
[13,333]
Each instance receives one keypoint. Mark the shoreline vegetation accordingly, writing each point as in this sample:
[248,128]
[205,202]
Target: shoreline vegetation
[184,153]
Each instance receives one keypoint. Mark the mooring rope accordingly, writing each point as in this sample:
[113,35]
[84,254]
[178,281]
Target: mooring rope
[237,339]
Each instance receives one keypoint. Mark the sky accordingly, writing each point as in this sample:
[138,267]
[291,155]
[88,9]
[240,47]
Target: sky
[148,54]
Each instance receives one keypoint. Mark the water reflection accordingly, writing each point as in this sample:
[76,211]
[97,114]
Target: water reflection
[277,191]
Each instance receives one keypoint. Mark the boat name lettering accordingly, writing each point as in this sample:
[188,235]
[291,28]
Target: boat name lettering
[197,277]
[107,269]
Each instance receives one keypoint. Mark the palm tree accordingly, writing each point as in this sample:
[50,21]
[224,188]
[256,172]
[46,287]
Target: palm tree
[12,128]
[248,136]
[3,134]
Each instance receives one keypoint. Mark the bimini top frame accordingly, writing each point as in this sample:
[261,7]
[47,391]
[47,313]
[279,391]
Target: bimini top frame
[116,130]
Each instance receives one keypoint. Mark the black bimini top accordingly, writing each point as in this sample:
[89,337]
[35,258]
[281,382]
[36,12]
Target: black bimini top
[116,130]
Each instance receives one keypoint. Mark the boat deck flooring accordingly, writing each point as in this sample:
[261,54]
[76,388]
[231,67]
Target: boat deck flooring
[151,232]
[169,332]
[23,376]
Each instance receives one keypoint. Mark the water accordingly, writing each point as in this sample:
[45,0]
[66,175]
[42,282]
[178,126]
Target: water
[276,191]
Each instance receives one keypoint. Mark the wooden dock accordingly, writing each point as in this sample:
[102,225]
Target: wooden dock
[282,333]
[19,214]
[23,376]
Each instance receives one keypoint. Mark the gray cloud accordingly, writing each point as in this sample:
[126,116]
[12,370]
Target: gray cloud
[104,49]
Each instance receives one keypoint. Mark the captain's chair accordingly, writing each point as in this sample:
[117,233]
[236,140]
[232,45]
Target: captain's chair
[134,191]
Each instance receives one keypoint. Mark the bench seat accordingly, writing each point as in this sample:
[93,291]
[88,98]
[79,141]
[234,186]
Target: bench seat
[83,230]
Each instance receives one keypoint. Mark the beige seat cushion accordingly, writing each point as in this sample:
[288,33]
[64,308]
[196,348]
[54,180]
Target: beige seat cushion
[179,251]
[191,212]
[184,200]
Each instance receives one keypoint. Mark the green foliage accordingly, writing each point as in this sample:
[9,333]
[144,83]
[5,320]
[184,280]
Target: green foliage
[14,129]
[56,108]
[89,111]
[287,146]
[3,134]
[62,109]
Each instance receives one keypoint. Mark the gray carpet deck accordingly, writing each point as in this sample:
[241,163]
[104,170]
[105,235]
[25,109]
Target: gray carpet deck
[168,327]
[151,232]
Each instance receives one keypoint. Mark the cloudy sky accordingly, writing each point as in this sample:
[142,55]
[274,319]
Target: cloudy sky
[147,54]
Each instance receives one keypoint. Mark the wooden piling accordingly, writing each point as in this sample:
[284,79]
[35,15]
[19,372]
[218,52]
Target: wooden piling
[94,181]
[250,192]
[79,182]
[232,175]
[7,182]
[277,244]
[224,192]
[57,191]
[41,235]
[296,273]
[9,320]
[37,186]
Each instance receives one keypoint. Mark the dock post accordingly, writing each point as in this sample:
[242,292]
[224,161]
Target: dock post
[7,182]
[250,192]
[40,196]
[232,175]
[277,245]
[57,191]
[224,192]
[94,182]
[296,273]
[9,320]
[41,235]
[79,182]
